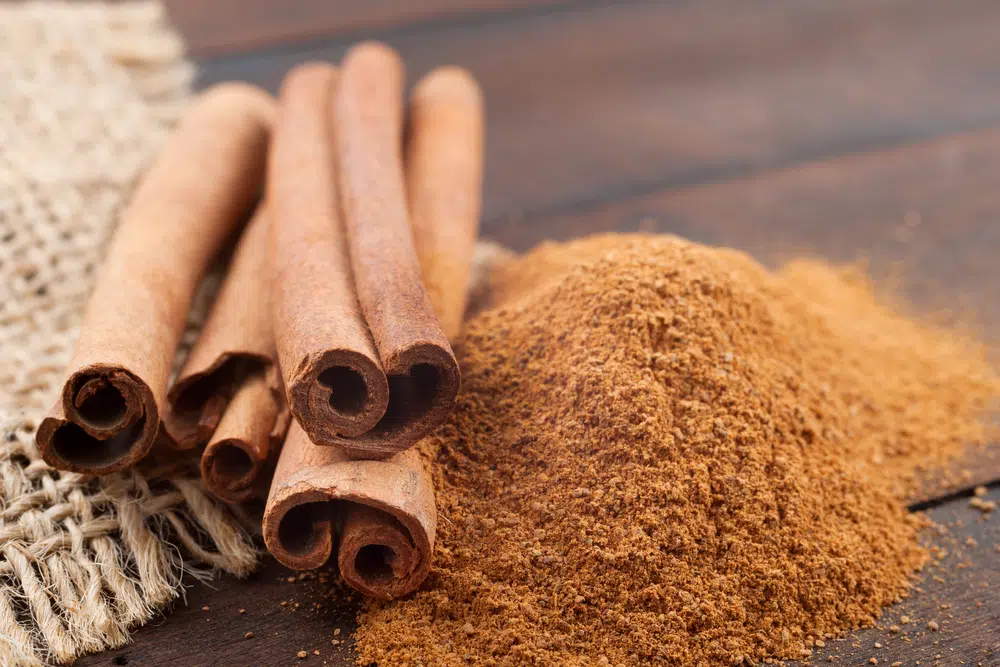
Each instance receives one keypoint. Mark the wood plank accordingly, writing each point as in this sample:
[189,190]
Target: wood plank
[227,26]
[969,629]
[923,215]
[600,102]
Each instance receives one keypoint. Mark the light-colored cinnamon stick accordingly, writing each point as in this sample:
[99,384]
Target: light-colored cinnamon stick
[414,351]
[190,200]
[236,341]
[229,393]
[335,383]
[385,510]
[444,170]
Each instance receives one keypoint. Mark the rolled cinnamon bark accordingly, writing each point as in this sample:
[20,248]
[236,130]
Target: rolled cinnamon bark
[380,515]
[384,511]
[193,196]
[444,170]
[236,465]
[335,383]
[422,371]
[236,341]
[229,392]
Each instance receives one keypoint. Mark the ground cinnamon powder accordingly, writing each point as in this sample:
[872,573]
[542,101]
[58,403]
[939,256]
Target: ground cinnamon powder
[665,452]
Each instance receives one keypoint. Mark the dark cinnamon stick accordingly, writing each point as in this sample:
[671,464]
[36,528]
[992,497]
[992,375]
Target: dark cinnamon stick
[383,510]
[379,515]
[335,382]
[444,171]
[187,204]
[422,371]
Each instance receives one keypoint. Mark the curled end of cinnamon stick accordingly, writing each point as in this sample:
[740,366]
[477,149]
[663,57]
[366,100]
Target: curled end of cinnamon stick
[298,529]
[106,421]
[237,462]
[385,509]
[423,382]
[339,393]
[373,54]
[197,402]
[449,84]
[231,468]
[376,555]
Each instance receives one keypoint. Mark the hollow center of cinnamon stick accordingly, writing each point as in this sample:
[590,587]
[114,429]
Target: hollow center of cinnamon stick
[374,563]
[230,465]
[348,392]
[99,403]
[410,397]
[298,530]
[74,445]
[198,403]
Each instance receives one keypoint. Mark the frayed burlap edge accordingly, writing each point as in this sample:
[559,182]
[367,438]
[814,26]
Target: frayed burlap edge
[83,560]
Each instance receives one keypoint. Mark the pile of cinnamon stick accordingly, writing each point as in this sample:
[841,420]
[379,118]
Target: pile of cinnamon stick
[325,356]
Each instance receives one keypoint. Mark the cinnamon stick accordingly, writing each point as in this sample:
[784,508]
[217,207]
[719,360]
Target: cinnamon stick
[229,392]
[384,511]
[235,342]
[444,184]
[422,371]
[380,515]
[444,168]
[335,383]
[189,201]
[237,463]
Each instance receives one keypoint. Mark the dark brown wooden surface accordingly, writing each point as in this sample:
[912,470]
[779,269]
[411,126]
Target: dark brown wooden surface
[593,103]
[226,26]
[849,129]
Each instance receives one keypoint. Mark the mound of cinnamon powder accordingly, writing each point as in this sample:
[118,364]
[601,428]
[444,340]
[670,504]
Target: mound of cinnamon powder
[666,453]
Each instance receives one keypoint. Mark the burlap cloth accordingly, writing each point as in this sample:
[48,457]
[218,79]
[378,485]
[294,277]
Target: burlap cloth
[87,95]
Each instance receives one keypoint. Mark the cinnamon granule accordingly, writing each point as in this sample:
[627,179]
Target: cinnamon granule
[664,452]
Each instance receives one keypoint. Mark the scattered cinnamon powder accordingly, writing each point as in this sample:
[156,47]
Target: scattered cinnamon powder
[664,452]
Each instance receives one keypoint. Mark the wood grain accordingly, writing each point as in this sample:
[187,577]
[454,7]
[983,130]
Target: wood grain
[590,104]
[923,216]
[226,26]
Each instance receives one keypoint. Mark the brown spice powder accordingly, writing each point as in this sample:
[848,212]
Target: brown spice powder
[664,452]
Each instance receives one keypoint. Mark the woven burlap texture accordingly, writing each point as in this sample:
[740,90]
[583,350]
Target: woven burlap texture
[89,92]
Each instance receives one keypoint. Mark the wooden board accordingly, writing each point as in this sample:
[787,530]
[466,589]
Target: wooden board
[226,26]
[592,103]
[190,636]
[924,214]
